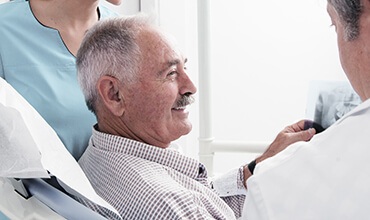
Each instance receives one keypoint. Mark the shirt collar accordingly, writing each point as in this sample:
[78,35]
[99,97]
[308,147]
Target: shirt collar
[164,156]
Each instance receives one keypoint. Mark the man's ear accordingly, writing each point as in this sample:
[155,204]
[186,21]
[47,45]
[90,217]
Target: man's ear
[111,95]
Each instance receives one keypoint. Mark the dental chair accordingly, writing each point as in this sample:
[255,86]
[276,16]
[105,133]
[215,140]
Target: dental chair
[35,198]
[39,178]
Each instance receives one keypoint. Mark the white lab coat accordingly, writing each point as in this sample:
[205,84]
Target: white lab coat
[326,178]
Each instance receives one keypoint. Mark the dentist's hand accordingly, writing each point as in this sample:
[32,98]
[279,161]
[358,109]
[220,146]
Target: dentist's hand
[289,135]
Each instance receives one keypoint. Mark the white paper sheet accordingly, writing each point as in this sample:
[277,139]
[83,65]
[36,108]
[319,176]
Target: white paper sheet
[19,157]
[40,140]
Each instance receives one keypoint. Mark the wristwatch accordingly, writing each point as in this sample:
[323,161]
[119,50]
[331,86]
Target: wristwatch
[251,166]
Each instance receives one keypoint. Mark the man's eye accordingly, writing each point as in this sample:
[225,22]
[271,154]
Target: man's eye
[171,76]
[172,73]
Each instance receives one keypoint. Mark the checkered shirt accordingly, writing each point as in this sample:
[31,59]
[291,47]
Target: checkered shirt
[147,182]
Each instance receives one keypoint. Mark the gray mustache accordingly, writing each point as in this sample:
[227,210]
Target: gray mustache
[185,100]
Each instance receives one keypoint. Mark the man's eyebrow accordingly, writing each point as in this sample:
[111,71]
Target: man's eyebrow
[175,62]
[171,63]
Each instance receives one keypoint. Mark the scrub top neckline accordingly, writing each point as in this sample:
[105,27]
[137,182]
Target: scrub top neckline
[54,29]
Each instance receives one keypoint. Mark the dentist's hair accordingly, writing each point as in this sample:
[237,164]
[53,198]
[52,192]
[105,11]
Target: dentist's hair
[349,12]
[109,48]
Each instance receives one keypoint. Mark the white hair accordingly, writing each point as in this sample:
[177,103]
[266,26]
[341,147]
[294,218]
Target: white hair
[109,48]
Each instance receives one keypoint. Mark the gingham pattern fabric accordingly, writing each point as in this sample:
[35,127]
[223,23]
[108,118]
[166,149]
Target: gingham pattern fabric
[147,182]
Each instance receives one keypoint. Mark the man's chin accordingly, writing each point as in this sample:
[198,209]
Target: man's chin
[186,129]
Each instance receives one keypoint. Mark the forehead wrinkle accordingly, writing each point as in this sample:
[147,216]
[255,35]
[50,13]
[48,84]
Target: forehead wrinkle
[159,46]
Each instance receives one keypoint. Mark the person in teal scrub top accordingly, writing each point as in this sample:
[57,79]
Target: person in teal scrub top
[38,43]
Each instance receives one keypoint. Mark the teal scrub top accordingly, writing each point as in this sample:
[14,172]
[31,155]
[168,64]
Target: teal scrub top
[37,63]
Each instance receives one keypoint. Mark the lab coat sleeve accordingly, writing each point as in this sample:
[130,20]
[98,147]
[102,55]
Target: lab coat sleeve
[254,204]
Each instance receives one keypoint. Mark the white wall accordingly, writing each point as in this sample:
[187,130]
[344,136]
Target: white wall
[127,7]
[264,55]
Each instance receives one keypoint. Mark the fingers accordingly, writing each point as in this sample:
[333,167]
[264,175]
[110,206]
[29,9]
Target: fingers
[299,131]
[304,135]
[301,124]
[298,126]
[311,124]
[308,134]
[288,136]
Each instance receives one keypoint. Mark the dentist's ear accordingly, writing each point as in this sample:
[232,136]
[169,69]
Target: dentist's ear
[111,95]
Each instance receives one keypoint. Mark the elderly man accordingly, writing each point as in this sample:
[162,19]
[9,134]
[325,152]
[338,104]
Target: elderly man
[134,79]
[328,177]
